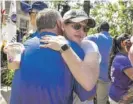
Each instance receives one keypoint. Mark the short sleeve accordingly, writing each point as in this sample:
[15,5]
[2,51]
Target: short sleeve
[82,93]
[90,47]
[123,62]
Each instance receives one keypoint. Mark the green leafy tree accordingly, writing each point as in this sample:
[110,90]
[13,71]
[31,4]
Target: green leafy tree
[119,15]
[87,6]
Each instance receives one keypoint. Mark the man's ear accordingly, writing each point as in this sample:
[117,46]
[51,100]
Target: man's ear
[60,24]
[63,25]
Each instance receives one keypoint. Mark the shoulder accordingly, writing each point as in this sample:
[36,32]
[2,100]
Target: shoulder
[88,44]
[74,45]
[122,60]
[91,49]
[77,49]
[31,42]
[92,37]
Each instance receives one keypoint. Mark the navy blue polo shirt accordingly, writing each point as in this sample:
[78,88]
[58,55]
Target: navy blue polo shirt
[43,77]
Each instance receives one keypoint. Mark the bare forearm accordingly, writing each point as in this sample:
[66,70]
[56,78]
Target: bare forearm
[82,71]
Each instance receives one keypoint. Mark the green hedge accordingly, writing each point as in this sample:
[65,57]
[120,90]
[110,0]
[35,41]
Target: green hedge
[6,77]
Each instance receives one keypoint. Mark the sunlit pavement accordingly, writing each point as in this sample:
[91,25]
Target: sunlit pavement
[5,95]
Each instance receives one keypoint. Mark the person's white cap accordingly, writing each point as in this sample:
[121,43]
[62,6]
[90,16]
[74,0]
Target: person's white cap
[76,15]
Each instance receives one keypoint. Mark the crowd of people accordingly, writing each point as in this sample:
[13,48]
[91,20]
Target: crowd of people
[63,64]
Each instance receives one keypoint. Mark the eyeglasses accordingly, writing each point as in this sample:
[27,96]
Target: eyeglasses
[78,26]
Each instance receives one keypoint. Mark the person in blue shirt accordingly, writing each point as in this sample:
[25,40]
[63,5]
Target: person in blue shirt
[32,10]
[104,42]
[75,29]
[44,77]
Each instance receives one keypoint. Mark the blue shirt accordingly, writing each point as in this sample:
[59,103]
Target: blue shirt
[34,34]
[83,94]
[120,81]
[104,43]
[43,77]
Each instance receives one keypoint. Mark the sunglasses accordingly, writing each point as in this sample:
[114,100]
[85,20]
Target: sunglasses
[78,26]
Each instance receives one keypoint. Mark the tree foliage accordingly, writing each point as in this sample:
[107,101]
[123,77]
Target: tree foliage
[119,15]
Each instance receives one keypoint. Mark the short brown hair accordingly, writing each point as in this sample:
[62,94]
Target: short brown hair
[47,18]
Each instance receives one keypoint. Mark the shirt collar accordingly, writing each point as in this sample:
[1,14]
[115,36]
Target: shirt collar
[105,33]
[46,33]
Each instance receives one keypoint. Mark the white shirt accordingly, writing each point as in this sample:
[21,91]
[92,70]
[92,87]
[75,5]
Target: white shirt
[91,49]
